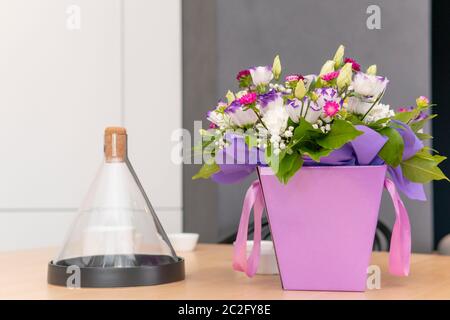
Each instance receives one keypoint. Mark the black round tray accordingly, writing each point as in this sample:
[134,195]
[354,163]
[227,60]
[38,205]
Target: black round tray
[148,270]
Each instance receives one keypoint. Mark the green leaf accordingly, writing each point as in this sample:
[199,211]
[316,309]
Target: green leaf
[354,119]
[304,132]
[423,136]
[206,171]
[422,170]
[417,125]
[379,124]
[314,151]
[289,165]
[392,151]
[406,116]
[424,154]
[341,132]
[302,129]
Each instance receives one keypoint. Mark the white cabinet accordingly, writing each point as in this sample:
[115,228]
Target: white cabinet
[67,70]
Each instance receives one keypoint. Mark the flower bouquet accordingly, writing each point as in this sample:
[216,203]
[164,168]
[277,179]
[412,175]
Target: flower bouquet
[323,146]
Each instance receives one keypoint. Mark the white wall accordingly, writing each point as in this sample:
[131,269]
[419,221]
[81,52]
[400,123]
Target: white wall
[59,88]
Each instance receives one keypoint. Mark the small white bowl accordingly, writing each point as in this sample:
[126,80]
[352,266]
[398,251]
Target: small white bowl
[183,242]
[267,261]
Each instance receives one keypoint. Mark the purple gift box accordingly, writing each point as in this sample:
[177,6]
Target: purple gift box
[323,225]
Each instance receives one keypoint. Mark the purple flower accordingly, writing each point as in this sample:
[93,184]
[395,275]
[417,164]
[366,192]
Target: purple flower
[240,116]
[266,98]
[299,108]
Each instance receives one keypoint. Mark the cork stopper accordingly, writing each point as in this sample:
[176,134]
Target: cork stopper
[115,144]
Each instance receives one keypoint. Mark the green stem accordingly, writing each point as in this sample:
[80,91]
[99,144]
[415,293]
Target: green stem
[259,118]
[373,105]
[307,108]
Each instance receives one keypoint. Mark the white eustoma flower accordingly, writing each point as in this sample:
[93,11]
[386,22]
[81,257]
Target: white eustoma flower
[378,112]
[369,85]
[261,75]
[358,106]
[219,117]
[239,116]
[328,95]
[309,79]
[270,100]
[296,109]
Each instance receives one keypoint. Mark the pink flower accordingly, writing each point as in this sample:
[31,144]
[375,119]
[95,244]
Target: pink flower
[355,65]
[331,108]
[242,74]
[294,77]
[248,98]
[404,109]
[212,125]
[330,76]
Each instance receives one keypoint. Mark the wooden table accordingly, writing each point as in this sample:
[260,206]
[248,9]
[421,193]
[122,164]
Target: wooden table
[209,276]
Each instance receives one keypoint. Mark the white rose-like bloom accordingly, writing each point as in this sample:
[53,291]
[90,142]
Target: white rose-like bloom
[369,85]
[296,109]
[357,106]
[378,112]
[276,120]
[239,116]
[261,75]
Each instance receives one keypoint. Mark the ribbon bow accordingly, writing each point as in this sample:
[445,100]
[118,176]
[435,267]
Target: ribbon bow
[400,248]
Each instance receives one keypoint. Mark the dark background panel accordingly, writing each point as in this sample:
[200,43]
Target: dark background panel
[441,125]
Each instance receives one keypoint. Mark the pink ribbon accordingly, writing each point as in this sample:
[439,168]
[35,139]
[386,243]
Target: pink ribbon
[253,199]
[400,249]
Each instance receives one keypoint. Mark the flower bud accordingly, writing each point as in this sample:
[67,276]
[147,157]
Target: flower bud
[230,97]
[345,76]
[339,56]
[276,68]
[372,70]
[300,90]
[314,97]
[327,67]
[422,102]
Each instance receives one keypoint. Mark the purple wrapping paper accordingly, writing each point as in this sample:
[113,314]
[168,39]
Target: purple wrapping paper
[237,162]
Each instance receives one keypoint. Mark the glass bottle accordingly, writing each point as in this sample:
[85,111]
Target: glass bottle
[116,238]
